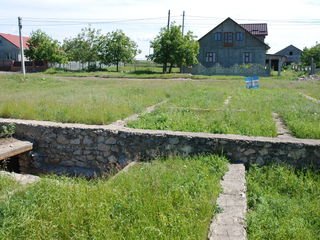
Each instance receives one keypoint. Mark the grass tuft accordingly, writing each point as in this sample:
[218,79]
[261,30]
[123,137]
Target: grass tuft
[163,199]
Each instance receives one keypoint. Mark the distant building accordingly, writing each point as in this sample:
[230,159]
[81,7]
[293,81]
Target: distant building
[292,53]
[10,55]
[230,45]
[10,47]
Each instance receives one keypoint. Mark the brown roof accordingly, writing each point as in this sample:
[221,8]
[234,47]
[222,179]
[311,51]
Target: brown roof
[256,29]
[14,39]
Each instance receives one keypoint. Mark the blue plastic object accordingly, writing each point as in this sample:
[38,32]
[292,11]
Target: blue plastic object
[252,82]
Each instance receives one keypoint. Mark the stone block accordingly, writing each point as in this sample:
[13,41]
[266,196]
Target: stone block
[111,141]
[87,141]
[75,141]
[62,140]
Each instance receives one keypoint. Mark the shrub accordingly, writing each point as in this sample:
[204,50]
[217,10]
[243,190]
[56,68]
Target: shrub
[7,131]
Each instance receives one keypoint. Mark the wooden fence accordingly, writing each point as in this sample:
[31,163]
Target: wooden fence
[15,66]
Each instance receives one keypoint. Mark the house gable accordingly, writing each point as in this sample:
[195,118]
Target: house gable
[234,46]
[292,53]
[288,49]
[229,21]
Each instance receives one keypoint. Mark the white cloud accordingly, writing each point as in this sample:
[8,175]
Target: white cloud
[271,12]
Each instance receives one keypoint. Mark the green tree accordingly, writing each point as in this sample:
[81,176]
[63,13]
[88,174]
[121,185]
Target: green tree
[116,47]
[42,47]
[170,47]
[309,53]
[84,47]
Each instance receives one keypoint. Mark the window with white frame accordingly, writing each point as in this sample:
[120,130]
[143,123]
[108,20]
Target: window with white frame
[210,57]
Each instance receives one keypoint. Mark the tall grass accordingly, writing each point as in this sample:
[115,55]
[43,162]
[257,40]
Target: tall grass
[192,105]
[248,113]
[7,184]
[80,101]
[163,199]
[283,203]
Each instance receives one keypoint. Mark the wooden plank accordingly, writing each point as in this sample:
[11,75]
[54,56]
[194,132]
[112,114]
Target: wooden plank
[14,147]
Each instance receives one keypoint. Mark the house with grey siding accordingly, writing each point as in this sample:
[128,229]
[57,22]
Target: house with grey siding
[231,44]
[292,53]
[10,47]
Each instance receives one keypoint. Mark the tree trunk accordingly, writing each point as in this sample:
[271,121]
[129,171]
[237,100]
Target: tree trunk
[164,68]
[117,66]
[170,69]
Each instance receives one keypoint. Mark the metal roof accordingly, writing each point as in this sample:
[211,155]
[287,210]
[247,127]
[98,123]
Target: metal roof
[256,29]
[14,39]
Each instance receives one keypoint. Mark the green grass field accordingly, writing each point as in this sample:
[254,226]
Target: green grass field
[196,106]
[163,199]
[249,112]
[283,203]
[77,101]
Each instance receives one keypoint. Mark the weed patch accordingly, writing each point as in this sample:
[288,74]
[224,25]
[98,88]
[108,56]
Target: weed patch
[163,199]
[283,203]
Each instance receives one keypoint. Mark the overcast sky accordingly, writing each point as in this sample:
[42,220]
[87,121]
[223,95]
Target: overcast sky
[294,22]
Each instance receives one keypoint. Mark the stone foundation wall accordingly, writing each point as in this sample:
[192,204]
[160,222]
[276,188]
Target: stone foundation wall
[94,150]
[237,70]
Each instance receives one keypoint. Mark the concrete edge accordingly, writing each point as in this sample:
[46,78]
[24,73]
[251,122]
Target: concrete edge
[15,148]
[119,129]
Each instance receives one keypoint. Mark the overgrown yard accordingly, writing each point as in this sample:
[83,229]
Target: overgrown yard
[196,106]
[199,107]
[283,203]
[77,101]
[163,199]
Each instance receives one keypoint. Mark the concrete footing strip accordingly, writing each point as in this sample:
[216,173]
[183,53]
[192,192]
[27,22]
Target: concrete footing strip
[230,224]
[124,122]
[13,148]
[310,98]
[21,178]
[282,131]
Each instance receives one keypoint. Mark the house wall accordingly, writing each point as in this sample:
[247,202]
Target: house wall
[295,57]
[228,56]
[8,50]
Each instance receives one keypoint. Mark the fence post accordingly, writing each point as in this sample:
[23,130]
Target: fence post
[279,67]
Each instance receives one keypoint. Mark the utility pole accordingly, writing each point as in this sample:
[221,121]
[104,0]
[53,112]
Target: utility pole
[183,23]
[21,46]
[168,20]
[164,68]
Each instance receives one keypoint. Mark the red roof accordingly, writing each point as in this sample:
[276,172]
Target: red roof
[14,39]
[256,29]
